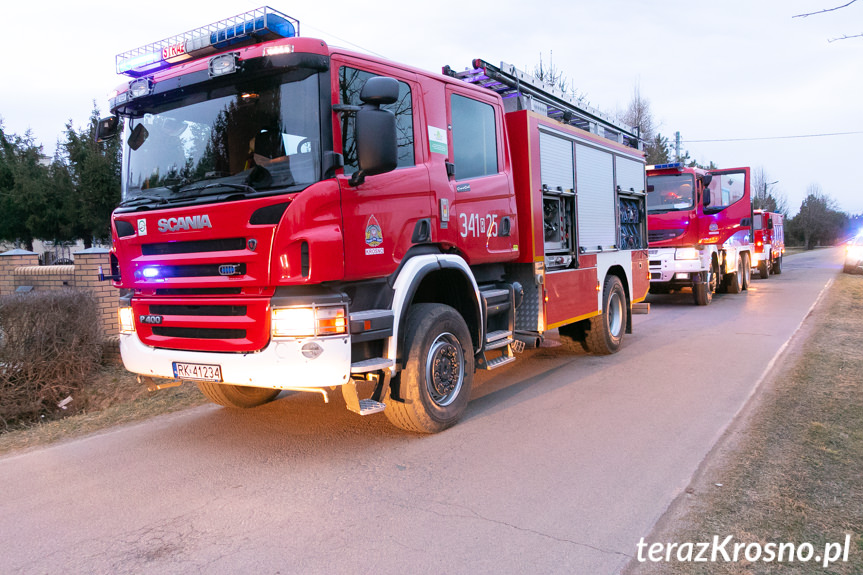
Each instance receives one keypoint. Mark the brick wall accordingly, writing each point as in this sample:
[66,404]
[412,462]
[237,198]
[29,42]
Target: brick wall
[20,268]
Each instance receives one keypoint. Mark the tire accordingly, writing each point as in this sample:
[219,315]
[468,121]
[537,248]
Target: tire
[606,330]
[734,282]
[434,387]
[762,270]
[237,396]
[777,265]
[747,271]
[701,292]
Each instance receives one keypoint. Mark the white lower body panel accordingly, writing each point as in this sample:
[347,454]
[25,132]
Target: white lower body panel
[281,365]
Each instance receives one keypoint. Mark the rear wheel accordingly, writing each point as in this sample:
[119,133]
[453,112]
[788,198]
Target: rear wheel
[237,396]
[747,271]
[762,270]
[434,387]
[606,331]
[777,265]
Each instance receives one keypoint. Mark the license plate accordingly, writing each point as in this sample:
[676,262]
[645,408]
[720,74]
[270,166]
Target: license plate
[652,252]
[197,371]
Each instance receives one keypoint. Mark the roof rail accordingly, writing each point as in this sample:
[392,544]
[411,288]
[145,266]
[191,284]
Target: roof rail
[522,91]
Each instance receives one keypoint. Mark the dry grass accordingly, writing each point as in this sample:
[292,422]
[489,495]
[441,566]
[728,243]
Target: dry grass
[111,397]
[793,471]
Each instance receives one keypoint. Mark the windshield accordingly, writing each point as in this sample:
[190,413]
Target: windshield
[669,193]
[255,136]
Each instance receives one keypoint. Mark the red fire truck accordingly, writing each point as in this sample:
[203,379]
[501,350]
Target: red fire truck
[700,230]
[769,245]
[300,217]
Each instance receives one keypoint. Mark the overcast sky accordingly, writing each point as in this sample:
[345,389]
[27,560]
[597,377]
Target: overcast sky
[717,70]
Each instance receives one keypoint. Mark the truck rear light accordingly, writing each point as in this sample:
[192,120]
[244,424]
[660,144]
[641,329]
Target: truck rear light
[309,321]
[127,320]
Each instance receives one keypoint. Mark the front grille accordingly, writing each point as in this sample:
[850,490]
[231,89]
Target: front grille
[201,270]
[199,310]
[199,332]
[193,247]
[199,291]
[662,235]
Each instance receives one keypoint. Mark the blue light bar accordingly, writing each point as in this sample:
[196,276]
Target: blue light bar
[667,166]
[259,25]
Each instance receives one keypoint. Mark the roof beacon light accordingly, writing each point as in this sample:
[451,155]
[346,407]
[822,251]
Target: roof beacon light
[259,25]
[667,166]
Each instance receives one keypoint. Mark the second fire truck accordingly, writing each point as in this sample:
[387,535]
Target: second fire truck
[700,230]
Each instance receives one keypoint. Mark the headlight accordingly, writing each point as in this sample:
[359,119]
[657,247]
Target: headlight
[309,321]
[686,254]
[855,252]
[127,320]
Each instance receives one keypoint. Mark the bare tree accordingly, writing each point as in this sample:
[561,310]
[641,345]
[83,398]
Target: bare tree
[551,75]
[765,198]
[844,36]
[638,114]
[819,220]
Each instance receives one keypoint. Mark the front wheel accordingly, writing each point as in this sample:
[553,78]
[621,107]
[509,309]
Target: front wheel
[777,265]
[735,280]
[237,396]
[762,270]
[434,387]
[747,270]
[606,331]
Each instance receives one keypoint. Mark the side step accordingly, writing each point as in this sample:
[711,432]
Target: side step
[349,390]
[497,340]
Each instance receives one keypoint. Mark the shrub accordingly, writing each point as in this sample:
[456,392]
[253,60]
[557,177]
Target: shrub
[50,343]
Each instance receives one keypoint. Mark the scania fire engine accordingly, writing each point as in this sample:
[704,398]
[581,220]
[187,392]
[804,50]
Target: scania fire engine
[700,230]
[769,242]
[300,217]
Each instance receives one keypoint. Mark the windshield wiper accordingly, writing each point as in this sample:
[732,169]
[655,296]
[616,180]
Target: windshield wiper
[242,187]
[144,198]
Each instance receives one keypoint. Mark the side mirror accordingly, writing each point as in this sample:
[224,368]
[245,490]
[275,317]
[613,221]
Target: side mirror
[707,199]
[376,137]
[107,128]
[380,91]
[706,179]
[769,223]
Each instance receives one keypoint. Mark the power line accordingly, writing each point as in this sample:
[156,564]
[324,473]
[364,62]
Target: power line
[775,137]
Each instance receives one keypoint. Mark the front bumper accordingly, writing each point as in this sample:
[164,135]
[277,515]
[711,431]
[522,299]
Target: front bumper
[282,364]
[664,268]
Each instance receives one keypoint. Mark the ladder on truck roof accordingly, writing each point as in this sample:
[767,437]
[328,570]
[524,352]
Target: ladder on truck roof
[522,91]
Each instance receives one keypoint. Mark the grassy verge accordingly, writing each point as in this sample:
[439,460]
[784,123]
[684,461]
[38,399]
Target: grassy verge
[792,469]
[112,397]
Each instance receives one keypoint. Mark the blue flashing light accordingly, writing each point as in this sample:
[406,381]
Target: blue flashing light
[259,25]
[667,166]
[150,272]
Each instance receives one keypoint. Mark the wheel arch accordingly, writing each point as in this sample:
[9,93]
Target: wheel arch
[435,278]
[618,271]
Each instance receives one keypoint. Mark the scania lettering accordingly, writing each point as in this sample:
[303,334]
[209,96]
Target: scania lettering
[369,226]
[700,230]
[186,223]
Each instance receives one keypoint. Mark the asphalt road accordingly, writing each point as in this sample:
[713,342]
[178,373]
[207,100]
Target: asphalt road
[562,463]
